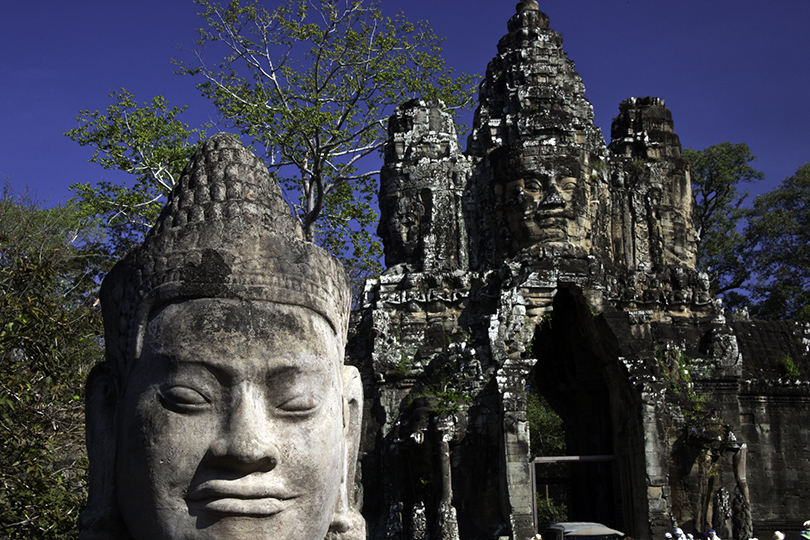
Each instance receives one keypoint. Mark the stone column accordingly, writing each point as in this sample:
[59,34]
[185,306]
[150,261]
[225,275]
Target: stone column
[511,382]
[448,523]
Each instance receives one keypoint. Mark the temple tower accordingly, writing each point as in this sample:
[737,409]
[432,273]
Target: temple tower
[543,262]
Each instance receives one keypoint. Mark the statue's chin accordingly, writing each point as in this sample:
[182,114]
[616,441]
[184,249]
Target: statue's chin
[550,232]
[552,237]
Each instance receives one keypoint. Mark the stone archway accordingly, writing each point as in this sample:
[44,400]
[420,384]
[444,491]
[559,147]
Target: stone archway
[578,373]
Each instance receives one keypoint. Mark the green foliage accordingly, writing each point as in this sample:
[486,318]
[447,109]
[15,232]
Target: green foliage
[639,167]
[545,427]
[717,172]
[50,332]
[146,141]
[697,415]
[599,165]
[672,371]
[791,369]
[683,368]
[779,228]
[549,511]
[767,266]
[448,400]
[314,82]
[451,401]
[676,369]
[404,365]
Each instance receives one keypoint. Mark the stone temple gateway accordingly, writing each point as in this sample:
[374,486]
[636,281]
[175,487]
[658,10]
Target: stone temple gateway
[544,260]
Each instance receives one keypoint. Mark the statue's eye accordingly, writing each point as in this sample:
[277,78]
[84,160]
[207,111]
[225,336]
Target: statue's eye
[183,398]
[299,405]
[568,186]
[532,186]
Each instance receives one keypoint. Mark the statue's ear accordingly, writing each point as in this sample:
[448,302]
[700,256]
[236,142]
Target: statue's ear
[348,523]
[101,516]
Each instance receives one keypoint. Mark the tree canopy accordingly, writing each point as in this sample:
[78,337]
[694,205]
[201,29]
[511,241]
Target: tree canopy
[779,230]
[311,83]
[147,141]
[757,256]
[50,330]
[717,172]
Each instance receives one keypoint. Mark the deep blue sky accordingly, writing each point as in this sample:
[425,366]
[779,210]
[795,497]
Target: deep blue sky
[730,70]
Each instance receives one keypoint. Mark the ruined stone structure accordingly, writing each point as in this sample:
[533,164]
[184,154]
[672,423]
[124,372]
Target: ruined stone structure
[543,254]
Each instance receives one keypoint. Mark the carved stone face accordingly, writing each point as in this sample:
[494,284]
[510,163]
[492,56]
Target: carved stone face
[400,226]
[543,204]
[232,424]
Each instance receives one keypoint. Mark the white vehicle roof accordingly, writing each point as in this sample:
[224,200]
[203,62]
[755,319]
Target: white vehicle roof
[584,528]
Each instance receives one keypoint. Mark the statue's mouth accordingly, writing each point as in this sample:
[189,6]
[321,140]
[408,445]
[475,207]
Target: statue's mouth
[238,497]
[550,212]
[233,506]
[552,220]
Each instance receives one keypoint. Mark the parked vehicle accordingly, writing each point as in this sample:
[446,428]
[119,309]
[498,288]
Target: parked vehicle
[581,530]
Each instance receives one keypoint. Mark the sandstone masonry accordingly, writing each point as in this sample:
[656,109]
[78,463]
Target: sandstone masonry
[543,254]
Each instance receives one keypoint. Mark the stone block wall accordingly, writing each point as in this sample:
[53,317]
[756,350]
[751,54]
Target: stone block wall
[545,255]
[421,187]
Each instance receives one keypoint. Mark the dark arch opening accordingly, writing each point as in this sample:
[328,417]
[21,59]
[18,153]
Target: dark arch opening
[578,374]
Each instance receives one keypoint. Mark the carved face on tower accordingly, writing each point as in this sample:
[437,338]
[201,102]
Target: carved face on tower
[401,224]
[544,200]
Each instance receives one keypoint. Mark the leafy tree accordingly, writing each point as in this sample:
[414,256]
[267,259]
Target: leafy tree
[313,82]
[546,431]
[50,333]
[147,141]
[717,172]
[550,511]
[547,438]
[779,228]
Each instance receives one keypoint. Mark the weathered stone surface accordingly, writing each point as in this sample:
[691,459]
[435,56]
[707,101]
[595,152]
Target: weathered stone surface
[223,409]
[570,263]
[421,186]
[652,194]
[535,147]
[644,130]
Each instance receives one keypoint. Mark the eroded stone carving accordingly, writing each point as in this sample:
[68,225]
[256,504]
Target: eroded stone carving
[543,257]
[535,147]
[421,188]
[223,409]
[542,200]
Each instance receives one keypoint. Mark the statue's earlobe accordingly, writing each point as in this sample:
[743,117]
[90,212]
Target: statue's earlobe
[348,523]
[101,518]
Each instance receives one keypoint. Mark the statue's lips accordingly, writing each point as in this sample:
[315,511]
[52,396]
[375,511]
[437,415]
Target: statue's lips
[239,497]
[552,221]
[552,213]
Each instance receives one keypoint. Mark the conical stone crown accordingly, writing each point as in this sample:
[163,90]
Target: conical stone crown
[225,232]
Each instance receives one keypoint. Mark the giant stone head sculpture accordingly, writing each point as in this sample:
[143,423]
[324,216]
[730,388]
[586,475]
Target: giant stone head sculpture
[544,198]
[223,408]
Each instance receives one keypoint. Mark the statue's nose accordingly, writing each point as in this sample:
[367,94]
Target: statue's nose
[553,197]
[246,442]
